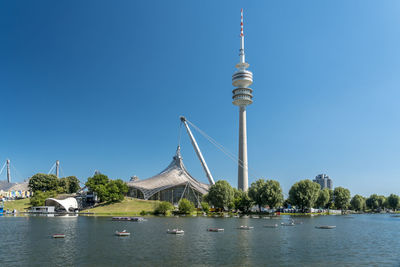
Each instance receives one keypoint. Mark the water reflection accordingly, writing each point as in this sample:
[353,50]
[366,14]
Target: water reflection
[364,240]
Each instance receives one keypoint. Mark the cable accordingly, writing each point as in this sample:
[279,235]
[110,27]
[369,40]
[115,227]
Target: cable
[223,149]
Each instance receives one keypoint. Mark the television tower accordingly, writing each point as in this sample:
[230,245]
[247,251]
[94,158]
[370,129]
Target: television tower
[242,97]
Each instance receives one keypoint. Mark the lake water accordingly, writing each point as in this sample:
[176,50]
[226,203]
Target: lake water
[364,240]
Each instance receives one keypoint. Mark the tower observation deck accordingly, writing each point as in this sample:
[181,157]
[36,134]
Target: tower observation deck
[242,97]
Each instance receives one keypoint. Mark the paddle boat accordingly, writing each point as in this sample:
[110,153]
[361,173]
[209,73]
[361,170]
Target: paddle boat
[215,229]
[58,235]
[244,227]
[271,225]
[123,233]
[131,219]
[288,224]
[175,232]
[326,227]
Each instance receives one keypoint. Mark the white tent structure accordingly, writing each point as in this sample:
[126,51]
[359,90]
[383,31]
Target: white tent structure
[172,184]
[67,205]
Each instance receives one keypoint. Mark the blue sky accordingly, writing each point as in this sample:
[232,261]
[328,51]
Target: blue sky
[101,85]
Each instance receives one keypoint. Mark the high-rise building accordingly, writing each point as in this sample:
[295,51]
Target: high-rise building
[242,97]
[324,181]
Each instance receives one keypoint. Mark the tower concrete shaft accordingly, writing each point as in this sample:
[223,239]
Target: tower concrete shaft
[57,168]
[8,171]
[243,178]
[242,97]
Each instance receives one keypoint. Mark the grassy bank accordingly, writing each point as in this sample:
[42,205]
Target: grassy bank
[128,206]
[20,205]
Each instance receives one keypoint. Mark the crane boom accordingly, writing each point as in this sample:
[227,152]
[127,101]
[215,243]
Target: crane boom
[198,152]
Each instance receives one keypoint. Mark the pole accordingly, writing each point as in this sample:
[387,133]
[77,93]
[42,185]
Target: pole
[198,152]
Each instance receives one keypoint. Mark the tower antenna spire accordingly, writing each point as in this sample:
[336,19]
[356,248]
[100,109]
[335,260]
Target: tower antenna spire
[242,56]
[242,97]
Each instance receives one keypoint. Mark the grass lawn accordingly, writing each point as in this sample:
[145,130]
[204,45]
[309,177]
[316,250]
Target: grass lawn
[129,206]
[20,204]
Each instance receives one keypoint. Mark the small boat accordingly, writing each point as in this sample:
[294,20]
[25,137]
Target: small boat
[131,219]
[58,235]
[245,216]
[226,216]
[255,217]
[236,216]
[215,229]
[288,224]
[244,227]
[123,233]
[271,225]
[326,227]
[175,232]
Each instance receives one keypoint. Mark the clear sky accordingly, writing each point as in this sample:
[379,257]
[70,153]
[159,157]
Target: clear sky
[101,85]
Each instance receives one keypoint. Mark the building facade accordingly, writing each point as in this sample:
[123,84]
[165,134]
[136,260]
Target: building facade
[172,184]
[324,181]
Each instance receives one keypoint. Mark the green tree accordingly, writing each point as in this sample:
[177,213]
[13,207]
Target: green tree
[304,194]
[107,190]
[256,191]
[185,206]
[43,182]
[357,203]
[242,201]
[205,207]
[393,201]
[382,202]
[323,198]
[116,190]
[220,194]
[39,197]
[272,194]
[331,202]
[342,197]
[73,184]
[68,185]
[373,202]
[163,208]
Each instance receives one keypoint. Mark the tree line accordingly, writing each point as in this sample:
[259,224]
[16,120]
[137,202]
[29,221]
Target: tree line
[303,195]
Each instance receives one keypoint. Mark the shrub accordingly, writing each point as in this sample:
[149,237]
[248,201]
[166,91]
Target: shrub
[185,206]
[163,208]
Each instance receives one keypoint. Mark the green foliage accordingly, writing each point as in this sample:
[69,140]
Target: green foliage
[116,189]
[358,203]
[393,201]
[372,202]
[43,182]
[185,206]
[163,208]
[69,184]
[107,190]
[375,202]
[323,198]
[342,197]
[39,197]
[220,194]
[304,194]
[331,203]
[256,192]
[272,194]
[266,193]
[205,207]
[242,201]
